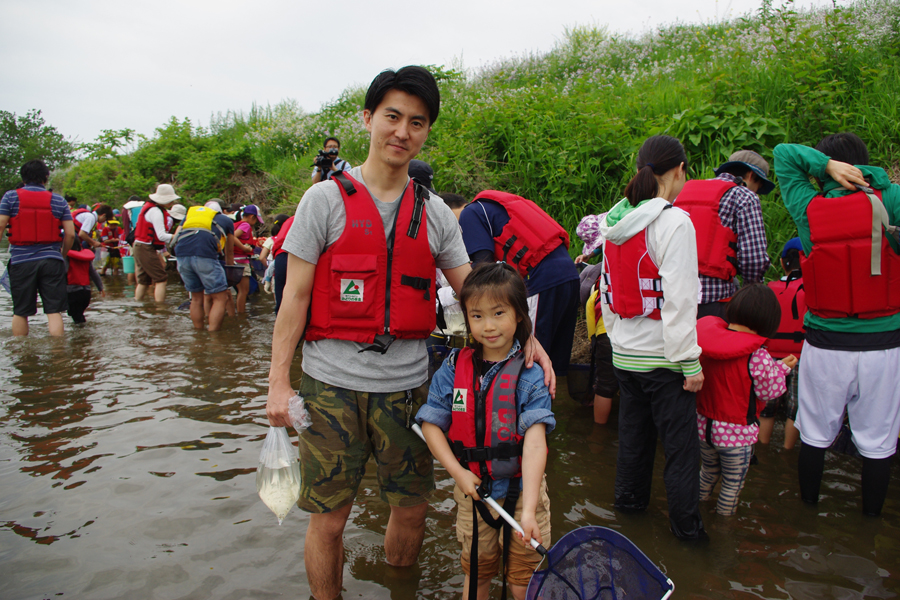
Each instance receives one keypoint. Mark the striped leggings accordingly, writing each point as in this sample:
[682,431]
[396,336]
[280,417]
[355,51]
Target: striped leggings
[729,464]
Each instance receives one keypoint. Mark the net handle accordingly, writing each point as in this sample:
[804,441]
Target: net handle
[493,504]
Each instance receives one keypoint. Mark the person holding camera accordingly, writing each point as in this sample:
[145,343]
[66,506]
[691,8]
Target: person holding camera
[327,163]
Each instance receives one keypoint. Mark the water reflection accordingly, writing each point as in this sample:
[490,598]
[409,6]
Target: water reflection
[128,452]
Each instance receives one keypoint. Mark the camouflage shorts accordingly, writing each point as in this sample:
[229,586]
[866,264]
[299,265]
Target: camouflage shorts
[347,428]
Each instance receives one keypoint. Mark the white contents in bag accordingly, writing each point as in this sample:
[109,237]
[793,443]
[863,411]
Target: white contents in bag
[278,474]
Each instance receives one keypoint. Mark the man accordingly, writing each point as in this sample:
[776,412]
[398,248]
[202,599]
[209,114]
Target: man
[731,236]
[36,263]
[205,236]
[328,163]
[150,236]
[400,108]
[851,280]
[495,218]
[87,220]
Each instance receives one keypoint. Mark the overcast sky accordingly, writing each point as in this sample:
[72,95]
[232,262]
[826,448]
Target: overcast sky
[91,65]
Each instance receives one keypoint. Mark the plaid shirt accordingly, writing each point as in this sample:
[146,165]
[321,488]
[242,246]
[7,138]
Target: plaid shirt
[741,212]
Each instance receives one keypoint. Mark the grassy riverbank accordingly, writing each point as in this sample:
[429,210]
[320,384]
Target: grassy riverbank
[562,127]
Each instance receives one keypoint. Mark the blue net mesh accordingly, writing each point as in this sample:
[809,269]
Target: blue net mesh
[597,563]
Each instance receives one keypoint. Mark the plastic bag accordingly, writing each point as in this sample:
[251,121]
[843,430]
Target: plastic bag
[278,474]
[298,414]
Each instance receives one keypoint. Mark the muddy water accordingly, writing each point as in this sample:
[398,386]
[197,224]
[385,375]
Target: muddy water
[127,470]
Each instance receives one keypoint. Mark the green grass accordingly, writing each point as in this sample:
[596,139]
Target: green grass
[562,127]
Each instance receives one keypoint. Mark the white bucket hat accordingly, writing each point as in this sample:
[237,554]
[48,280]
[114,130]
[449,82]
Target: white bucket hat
[165,194]
[178,212]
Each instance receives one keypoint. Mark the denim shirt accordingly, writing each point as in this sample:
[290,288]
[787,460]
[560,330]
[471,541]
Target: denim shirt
[533,402]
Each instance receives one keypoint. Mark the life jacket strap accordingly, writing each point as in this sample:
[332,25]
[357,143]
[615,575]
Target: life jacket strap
[505,451]
[419,283]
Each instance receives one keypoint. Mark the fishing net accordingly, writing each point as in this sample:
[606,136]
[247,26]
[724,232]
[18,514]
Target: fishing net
[597,563]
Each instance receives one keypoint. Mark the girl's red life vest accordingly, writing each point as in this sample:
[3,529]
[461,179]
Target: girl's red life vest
[791,332]
[144,231]
[79,272]
[282,234]
[634,287]
[34,223]
[529,236]
[367,285]
[848,240]
[727,394]
[716,244]
[484,426]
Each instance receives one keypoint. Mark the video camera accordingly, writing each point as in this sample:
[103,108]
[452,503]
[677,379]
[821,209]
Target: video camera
[325,159]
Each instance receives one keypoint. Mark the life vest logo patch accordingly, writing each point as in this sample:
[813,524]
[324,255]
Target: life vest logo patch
[352,290]
[459,399]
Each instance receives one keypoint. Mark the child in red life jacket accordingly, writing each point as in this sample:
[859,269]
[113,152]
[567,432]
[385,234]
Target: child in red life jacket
[109,237]
[787,340]
[79,276]
[488,383]
[741,377]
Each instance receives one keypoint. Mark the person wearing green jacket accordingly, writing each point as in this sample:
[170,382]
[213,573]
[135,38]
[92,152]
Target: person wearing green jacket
[850,355]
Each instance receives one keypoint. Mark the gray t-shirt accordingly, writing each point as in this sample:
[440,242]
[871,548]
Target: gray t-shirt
[318,223]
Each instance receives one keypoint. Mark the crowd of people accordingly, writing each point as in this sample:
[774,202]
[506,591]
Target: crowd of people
[383,278]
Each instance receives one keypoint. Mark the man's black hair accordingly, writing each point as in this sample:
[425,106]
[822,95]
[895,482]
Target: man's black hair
[413,80]
[844,147]
[328,139]
[453,200]
[35,172]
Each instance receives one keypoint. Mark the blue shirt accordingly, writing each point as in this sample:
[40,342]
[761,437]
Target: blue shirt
[9,206]
[203,244]
[481,222]
[533,402]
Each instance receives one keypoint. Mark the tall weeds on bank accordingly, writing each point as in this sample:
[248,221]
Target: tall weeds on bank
[562,127]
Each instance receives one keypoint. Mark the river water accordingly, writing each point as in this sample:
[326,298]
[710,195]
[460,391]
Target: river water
[128,453]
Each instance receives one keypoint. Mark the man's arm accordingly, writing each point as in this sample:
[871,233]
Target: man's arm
[229,249]
[68,236]
[752,252]
[317,175]
[4,221]
[289,326]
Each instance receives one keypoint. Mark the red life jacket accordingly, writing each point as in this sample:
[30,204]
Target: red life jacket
[634,287]
[77,213]
[144,230]
[716,244]
[791,332]
[34,223]
[279,239]
[727,393]
[529,236]
[839,277]
[79,272]
[366,285]
[484,426]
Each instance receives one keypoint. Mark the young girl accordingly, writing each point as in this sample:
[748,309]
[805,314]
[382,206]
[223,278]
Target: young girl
[480,378]
[244,243]
[740,377]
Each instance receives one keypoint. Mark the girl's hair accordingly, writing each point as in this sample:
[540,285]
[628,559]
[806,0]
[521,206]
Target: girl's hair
[502,282]
[657,155]
[279,221]
[755,306]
